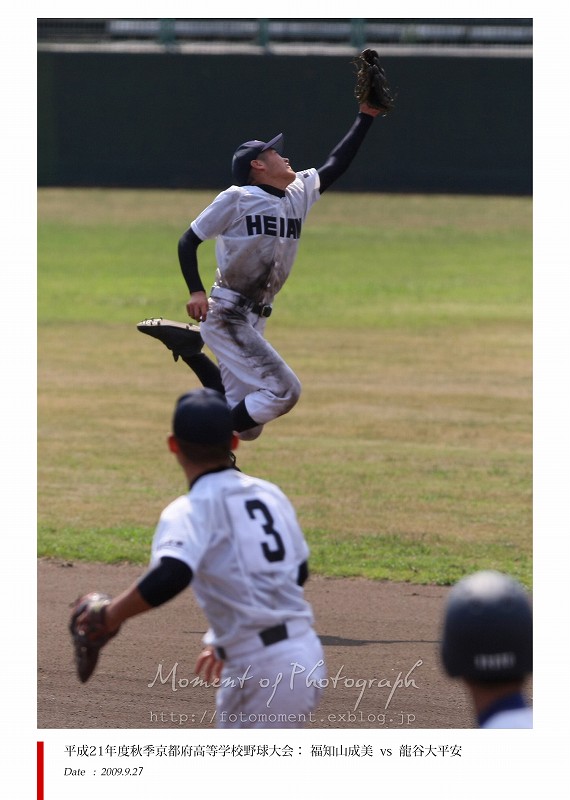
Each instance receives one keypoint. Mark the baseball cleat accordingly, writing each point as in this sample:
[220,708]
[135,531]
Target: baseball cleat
[182,338]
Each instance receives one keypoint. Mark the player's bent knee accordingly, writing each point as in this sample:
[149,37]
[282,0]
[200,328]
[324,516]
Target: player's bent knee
[268,405]
[292,395]
[282,404]
[251,434]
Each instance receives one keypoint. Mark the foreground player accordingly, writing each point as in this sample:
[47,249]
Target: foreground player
[487,642]
[236,539]
[257,225]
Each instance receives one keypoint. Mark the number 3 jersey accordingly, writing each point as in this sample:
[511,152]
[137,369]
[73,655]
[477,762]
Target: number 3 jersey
[241,538]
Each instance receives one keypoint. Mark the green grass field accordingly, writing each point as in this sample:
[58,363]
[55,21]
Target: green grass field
[408,320]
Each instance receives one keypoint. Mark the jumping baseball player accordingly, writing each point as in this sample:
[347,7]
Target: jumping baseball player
[257,225]
[237,541]
[487,642]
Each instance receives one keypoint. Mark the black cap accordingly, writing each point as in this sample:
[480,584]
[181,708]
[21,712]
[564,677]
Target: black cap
[246,152]
[202,417]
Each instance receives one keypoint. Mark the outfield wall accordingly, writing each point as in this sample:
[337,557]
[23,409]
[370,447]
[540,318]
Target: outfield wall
[169,120]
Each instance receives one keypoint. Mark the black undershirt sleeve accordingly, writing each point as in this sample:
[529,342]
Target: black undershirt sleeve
[342,155]
[303,573]
[165,581]
[188,258]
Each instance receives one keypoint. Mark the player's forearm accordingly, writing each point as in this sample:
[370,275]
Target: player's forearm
[343,153]
[188,258]
[124,606]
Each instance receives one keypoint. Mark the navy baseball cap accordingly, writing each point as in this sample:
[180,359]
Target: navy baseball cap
[246,152]
[487,631]
[202,416]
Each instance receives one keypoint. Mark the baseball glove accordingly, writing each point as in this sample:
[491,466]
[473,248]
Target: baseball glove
[89,631]
[371,83]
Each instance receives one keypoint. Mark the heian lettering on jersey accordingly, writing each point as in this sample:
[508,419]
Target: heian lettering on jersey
[284,227]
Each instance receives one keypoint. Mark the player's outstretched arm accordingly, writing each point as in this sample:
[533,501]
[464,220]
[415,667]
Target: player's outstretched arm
[374,98]
[95,619]
[157,586]
[128,604]
[342,155]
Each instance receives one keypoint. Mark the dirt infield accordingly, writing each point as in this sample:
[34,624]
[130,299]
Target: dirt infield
[380,641]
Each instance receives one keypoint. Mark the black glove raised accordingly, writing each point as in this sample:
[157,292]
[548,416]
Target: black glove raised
[371,83]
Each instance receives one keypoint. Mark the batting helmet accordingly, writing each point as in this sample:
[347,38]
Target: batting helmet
[487,631]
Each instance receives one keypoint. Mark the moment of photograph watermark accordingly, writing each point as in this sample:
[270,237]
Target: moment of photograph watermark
[381,690]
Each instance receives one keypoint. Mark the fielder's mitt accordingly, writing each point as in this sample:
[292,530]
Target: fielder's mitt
[89,631]
[371,83]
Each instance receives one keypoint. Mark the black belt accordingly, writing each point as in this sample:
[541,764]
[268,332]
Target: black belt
[269,636]
[257,308]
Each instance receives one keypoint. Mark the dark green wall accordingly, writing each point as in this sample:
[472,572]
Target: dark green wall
[172,120]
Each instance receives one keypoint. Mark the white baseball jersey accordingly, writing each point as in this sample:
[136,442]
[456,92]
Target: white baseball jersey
[512,718]
[257,234]
[241,538]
